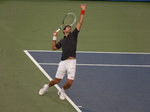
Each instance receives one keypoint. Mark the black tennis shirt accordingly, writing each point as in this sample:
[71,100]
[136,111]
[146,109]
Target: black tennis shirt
[68,45]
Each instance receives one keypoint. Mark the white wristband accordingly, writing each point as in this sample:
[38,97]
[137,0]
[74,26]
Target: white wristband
[54,38]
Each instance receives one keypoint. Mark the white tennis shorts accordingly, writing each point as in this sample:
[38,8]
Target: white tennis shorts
[66,67]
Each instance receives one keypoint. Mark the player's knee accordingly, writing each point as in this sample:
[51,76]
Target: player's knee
[69,82]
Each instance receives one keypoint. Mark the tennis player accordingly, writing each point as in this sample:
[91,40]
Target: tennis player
[67,64]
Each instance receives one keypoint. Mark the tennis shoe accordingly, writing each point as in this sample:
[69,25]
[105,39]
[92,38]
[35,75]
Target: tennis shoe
[61,95]
[44,89]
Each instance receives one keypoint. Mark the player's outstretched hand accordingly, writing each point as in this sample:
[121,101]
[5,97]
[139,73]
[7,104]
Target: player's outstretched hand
[83,6]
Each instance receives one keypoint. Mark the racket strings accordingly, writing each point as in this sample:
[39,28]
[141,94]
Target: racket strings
[69,20]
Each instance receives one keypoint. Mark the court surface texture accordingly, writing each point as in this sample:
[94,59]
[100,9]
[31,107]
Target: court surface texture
[105,82]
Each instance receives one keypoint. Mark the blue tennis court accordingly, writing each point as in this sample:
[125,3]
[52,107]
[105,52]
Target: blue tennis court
[105,82]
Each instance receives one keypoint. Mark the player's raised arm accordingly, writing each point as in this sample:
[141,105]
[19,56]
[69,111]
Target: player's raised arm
[82,6]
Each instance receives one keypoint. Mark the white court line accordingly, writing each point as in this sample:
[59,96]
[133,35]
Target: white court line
[109,65]
[69,100]
[96,52]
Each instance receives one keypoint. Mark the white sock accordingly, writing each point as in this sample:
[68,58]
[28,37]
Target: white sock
[62,90]
[46,86]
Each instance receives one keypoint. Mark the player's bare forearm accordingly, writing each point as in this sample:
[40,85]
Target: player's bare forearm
[54,45]
[54,41]
[80,22]
[82,6]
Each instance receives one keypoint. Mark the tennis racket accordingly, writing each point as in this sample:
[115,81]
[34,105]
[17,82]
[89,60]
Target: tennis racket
[69,19]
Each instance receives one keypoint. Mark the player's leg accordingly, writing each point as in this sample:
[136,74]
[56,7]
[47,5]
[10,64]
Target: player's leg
[71,70]
[46,86]
[65,87]
[68,84]
[53,82]
[59,75]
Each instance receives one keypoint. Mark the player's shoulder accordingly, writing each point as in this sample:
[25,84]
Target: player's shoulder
[75,30]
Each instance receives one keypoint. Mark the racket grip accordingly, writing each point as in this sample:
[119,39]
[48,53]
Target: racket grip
[58,30]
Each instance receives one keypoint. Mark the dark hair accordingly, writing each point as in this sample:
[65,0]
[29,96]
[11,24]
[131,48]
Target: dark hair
[67,26]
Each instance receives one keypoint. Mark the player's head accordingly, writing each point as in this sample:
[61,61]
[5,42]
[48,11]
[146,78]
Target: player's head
[67,29]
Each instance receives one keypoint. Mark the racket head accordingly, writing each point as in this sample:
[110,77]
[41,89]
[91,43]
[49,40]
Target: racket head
[69,19]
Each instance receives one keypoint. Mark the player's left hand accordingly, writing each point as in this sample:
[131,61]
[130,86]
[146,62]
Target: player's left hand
[83,6]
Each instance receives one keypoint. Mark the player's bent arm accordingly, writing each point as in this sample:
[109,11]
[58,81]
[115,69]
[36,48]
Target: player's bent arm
[54,41]
[54,45]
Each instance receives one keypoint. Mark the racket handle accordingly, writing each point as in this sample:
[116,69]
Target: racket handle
[58,30]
